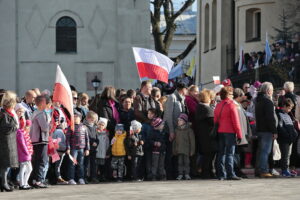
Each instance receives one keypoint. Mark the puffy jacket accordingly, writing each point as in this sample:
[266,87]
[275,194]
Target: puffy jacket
[286,130]
[158,136]
[184,142]
[79,138]
[59,133]
[133,150]
[91,128]
[229,121]
[103,145]
[118,145]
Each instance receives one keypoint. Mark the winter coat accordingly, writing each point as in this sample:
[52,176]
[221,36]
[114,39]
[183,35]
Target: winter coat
[159,136]
[286,130]
[229,121]
[291,96]
[91,128]
[191,104]
[8,141]
[39,131]
[184,142]
[266,119]
[103,145]
[25,149]
[245,126]
[204,125]
[126,117]
[79,138]
[118,145]
[134,146]
[58,133]
[141,106]
[174,106]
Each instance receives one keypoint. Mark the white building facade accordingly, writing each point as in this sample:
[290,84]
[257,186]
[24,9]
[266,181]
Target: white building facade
[86,38]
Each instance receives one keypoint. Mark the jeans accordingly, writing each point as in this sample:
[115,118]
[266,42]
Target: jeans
[40,161]
[136,164]
[265,140]
[226,147]
[158,165]
[77,154]
[286,151]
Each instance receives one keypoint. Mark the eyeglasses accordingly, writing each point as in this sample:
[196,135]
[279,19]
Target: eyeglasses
[75,98]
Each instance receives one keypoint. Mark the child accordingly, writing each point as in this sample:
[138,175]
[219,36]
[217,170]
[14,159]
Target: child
[60,135]
[103,146]
[78,146]
[183,146]
[90,160]
[286,135]
[118,152]
[158,141]
[135,151]
[25,151]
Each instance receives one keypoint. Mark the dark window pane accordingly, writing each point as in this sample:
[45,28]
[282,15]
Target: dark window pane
[66,39]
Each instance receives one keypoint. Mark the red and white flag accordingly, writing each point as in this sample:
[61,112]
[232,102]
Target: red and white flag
[62,94]
[152,65]
[216,80]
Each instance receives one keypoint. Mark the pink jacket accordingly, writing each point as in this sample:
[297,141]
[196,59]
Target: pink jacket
[24,146]
[229,121]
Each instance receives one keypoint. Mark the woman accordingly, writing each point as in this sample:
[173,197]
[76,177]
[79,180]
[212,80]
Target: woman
[126,113]
[109,108]
[204,119]
[191,102]
[156,95]
[229,132]
[8,144]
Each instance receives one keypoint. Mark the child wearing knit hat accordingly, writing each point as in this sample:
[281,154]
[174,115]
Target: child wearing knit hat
[183,146]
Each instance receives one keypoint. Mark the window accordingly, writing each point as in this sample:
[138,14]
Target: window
[66,39]
[214,25]
[206,28]
[253,24]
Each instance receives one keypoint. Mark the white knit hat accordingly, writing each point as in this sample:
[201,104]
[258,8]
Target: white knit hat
[135,125]
[103,120]
[19,106]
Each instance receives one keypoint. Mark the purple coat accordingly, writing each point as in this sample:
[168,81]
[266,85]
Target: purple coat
[23,152]
[191,104]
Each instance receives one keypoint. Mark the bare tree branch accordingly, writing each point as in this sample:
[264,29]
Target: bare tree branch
[188,49]
[186,4]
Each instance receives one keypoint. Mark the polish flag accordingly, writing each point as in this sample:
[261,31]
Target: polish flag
[152,65]
[62,94]
[216,80]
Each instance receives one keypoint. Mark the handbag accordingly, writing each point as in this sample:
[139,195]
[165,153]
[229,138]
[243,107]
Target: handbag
[276,151]
[214,133]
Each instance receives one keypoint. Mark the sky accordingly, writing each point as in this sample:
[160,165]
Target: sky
[178,3]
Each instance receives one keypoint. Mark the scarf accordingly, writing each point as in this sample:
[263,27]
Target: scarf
[116,116]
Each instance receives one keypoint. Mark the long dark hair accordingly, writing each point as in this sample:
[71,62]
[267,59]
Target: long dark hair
[108,93]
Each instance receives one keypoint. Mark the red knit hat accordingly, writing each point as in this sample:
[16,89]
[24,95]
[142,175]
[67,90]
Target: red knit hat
[156,122]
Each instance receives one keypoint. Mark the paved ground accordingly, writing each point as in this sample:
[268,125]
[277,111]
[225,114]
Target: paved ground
[280,188]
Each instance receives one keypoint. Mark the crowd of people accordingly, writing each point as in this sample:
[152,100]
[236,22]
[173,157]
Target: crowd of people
[142,135]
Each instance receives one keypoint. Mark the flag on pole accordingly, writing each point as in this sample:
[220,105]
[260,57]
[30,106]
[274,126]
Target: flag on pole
[241,61]
[191,68]
[268,52]
[152,64]
[216,80]
[62,94]
[176,71]
[256,64]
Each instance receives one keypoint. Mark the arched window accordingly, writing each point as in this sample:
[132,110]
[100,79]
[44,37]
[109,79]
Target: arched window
[206,28]
[214,25]
[253,24]
[66,37]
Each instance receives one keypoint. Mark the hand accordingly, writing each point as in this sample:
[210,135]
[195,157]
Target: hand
[68,152]
[113,140]
[238,141]
[94,144]
[87,153]
[171,137]
[129,157]
[275,136]
[135,144]
[141,142]
[158,144]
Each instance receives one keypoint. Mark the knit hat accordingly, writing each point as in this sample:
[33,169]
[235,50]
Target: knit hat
[119,127]
[226,82]
[28,122]
[76,113]
[184,117]
[19,106]
[257,84]
[135,125]
[103,120]
[156,122]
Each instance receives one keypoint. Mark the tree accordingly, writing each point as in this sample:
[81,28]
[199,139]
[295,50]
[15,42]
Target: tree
[284,32]
[294,10]
[164,38]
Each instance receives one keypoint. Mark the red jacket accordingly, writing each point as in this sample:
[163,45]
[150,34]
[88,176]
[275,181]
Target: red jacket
[229,121]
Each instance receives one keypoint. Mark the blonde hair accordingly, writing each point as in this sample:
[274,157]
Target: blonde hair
[9,100]
[83,96]
[92,114]
[289,86]
[205,96]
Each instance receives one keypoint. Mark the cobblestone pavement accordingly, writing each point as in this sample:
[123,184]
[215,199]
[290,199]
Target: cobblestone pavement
[276,188]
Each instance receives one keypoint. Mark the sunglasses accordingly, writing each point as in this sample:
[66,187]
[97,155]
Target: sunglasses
[75,98]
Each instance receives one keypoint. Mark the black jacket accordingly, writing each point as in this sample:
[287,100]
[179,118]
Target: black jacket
[158,136]
[131,148]
[286,130]
[92,135]
[126,117]
[266,119]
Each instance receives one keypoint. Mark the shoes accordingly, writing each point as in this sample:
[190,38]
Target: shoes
[294,172]
[40,185]
[6,188]
[221,178]
[187,177]
[72,182]
[266,175]
[115,174]
[94,181]
[235,178]
[61,181]
[119,180]
[286,173]
[179,177]
[275,173]
[86,181]
[81,182]
[24,187]
[153,179]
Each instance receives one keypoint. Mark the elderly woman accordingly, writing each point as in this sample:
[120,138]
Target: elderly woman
[204,119]
[229,132]
[8,144]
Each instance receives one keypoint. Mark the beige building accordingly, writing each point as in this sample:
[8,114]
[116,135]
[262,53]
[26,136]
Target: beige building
[86,37]
[226,25]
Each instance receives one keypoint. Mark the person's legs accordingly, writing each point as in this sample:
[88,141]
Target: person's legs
[180,164]
[4,179]
[74,154]
[58,165]
[134,163]
[23,167]
[186,164]
[265,146]
[93,165]
[121,167]
[27,172]
[155,163]
[221,172]
[230,143]
[80,165]
[161,166]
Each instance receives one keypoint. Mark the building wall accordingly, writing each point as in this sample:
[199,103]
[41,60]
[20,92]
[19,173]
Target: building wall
[106,32]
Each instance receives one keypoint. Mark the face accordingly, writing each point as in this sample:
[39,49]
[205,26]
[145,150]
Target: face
[246,87]
[119,132]
[160,127]
[90,120]
[147,89]
[101,126]
[287,109]
[43,105]
[77,119]
[150,115]
[180,122]
[84,101]
[127,103]
[195,93]
[230,95]
[30,98]
[27,129]
[20,112]
[75,98]
[157,96]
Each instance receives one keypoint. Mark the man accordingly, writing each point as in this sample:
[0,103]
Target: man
[174,107]
[266,126]
[246,87]
[28,103]
[39,134]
